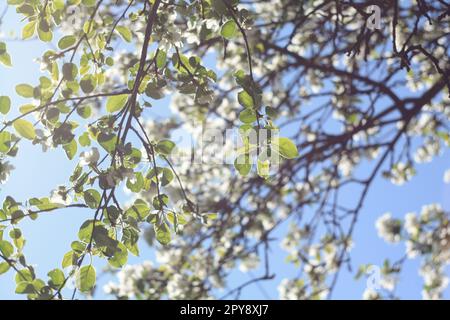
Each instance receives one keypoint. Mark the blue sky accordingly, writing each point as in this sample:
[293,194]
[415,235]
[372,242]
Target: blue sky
[49,237]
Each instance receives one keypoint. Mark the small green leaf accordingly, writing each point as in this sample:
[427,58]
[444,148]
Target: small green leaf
[44,32]
[88,84]
[247,116]
[245,100]
[160,201]
[167,176]
[162,234]
[70,71]
[24,287]
[107,141]
[263,168]
[26,108]
[139,210]
[285,147]
[152,90]
[86,232]
[25,275]
[71,149]
[84,140]
[25,90]
[120,257]
[70,259]
[229,29]
[116,103]
[165,147]
[29,30]
[57,277]
[161,58]
[125,33]
[84,111]
[85,280]
[4,267]
[5,104]
[136,184]
[243,164]
[6,248]
[5,141]
[5,59]
[25,129]
[66,42]
[92,198]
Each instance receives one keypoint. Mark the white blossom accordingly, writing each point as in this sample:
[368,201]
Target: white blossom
[60,196]
[447,176]
[90,157]
[250,262]
[388,228]
[5,171]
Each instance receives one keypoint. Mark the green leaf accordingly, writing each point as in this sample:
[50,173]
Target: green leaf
[24,287]
[176,218]
[247,116]
[116,103]
[57,277]
[161,58]
[229,29]
[15,233]
[3,49]
[66,42]
[162,234]
[52,114]
[102,239]
[5,59]
[25,129]
[78,246]
[44,32]
[245,100]
[154,90]
[120,257]
[88,84]
[243,164]
[165,147]
[5,141]
[263,168]
[86,231]
[84,140]
[139,210]
[6,248]
[25,90]
[70,71]
[138,183]
[5,104]
[29,30]
[125,33]
[70,259]
[107,141]
[167,176]
[71,149]
[160,201]
[4,267]
[25,275]
[85,280]
[285,147]
[26,108]
[84,111]
[92,198]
